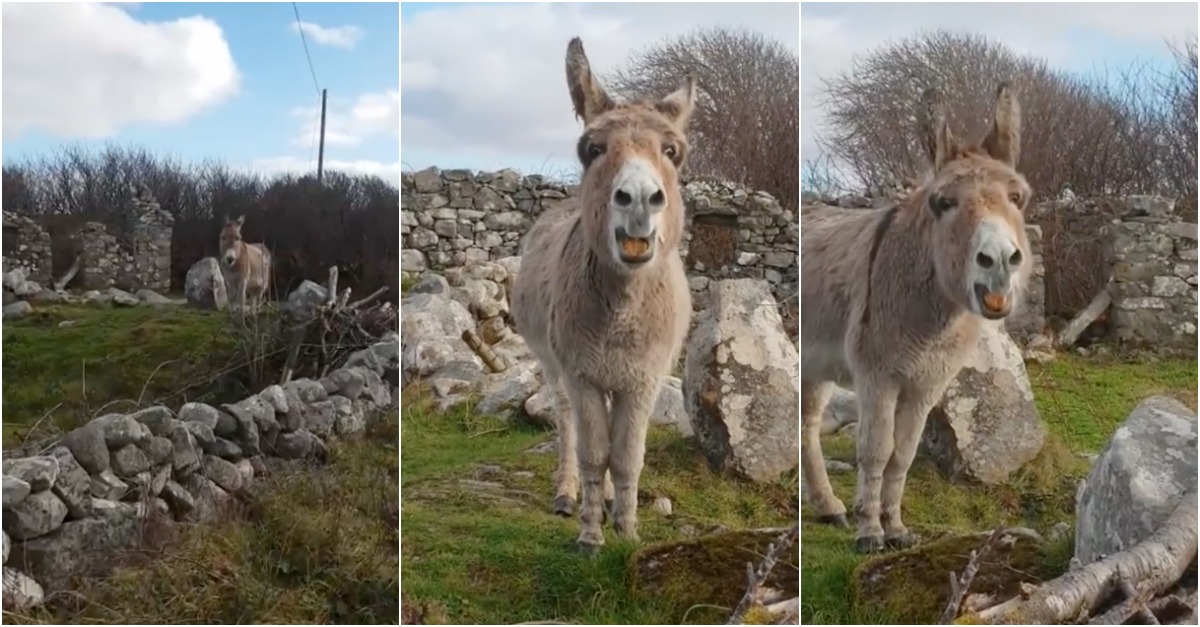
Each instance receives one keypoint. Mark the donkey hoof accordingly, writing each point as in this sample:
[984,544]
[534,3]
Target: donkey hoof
[564,506]
[902,541]
[869,544]
[836,520]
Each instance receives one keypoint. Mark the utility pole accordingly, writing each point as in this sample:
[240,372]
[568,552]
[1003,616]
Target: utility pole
[321,150]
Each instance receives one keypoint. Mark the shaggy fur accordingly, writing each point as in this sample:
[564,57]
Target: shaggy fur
[893,302]
[247,268]
[601,297]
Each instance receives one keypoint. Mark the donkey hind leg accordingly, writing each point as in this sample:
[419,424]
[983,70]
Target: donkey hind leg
[813,399]
[912,408]
[566,476]
[592,449]
[877,414]
[630,420]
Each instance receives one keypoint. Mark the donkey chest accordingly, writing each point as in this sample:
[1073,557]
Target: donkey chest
[619,347]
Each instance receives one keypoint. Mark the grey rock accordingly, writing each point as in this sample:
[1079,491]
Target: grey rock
[39,514]
[319,418]
[159,479]
[506,391]
[158,449]
[21,592]
[245,468]
[202,433]
[39,472]
[106,485]
[669,409]
[227,425]
[114,511]
[210,498]
[1138,479]
[307,390]
[223,448]
[200,413]
[150,297]
[178,499]
[15,491]
[184,458]
[73,485]
[304,301]
[129,460]
[348,416]
[121,430]
[17,310]
[274,394]
[204,286]
[299,445]
[223,473]
[741,383]
[987,425]
[121,298]
[348,382]
[157,419]
[79,548]
[87,445]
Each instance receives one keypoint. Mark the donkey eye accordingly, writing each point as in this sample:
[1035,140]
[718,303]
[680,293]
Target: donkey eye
[1015,198]
[595,150]
[670,151]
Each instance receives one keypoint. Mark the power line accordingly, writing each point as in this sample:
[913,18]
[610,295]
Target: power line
[304,40]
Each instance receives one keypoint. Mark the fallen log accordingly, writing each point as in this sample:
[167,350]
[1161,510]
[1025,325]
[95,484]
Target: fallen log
[1070,333]
[1151,567]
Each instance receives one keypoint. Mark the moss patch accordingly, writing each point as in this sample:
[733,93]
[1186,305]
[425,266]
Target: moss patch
[106,359]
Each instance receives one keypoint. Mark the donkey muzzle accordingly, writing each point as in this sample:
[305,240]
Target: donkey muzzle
[993,305]
[634,250]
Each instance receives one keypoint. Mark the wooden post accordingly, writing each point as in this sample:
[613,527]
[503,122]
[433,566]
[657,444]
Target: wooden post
[321,150]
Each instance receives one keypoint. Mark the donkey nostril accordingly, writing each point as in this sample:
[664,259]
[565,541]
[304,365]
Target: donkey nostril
[623,198]
[1015,259]
[983,260]
[657,198]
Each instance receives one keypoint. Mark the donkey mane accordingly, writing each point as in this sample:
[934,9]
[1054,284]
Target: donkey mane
[601,297]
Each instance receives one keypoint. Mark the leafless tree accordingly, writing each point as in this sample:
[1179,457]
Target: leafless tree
[746,127]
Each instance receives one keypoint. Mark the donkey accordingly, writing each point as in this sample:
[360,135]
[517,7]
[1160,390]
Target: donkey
[247,267]
[602,299]
[893,303]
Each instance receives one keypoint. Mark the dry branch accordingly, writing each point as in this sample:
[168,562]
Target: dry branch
[71,272]
[962,584]
[494,362]
[1070,333]
[756,578]
[1156,564]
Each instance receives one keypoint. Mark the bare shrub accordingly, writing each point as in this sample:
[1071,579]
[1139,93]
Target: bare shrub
[746,125]
[348,221]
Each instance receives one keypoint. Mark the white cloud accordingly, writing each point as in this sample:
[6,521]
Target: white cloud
[335,36]
[389,172]
[832,34]
[371,114]
[480,80]
[86,70]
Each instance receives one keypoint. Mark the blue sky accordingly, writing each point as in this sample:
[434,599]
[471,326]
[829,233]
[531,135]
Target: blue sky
[1076,37]
[227,81]
[483,85]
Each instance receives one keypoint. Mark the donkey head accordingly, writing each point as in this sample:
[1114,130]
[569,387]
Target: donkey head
[976,200]
[631,155]
[231,240]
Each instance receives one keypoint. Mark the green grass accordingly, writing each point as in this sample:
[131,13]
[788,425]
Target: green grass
[310,546]
[1082,402]
[469,558]
[107,359]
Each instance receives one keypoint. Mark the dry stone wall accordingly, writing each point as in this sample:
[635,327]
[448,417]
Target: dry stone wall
[141,262]
[26,246]
[453,217]
[1141,243]
[90,494]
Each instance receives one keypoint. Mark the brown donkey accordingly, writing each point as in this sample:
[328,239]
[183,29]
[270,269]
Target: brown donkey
[247,268]
[893,301]
[601,297]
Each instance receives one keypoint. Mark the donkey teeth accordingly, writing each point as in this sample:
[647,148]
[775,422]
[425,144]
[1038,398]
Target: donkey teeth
[994,302]
[635,246]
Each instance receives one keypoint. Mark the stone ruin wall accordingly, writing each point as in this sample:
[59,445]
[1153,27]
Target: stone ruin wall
[1144,246]
[27,246]
[68,509]
[105,261]
[452,217]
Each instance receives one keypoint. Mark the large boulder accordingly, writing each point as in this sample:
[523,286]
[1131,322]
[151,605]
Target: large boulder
[741,382]
[204,286]
[987,425]
[431,334]
[305,300]
[1138,479]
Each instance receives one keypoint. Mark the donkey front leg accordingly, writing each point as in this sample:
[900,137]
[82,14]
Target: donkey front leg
[630,420]
[813,399]
[876,417]
[566,476]
[912,409]
[592,450]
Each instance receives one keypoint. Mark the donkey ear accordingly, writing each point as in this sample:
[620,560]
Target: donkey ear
[241,220]
[940,144]
[587,96]
[679,105]
[1003,142]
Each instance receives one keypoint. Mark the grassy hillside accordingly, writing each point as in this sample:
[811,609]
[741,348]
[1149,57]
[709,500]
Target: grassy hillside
[480,544]
[1082,402]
